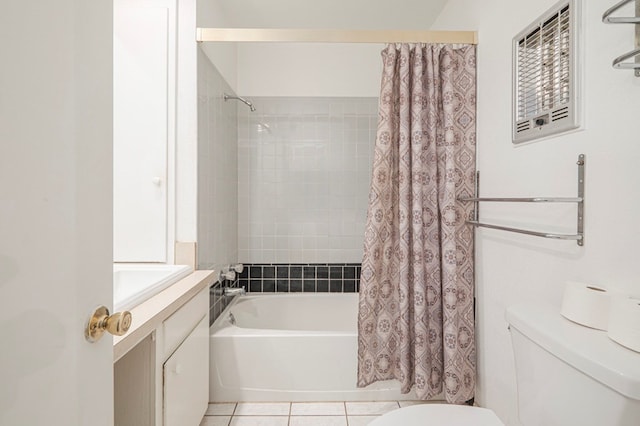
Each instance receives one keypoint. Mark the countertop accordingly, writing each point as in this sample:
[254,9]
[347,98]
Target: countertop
[150,314]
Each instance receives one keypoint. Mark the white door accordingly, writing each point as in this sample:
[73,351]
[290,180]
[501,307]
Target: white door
[55,211]
[144,109]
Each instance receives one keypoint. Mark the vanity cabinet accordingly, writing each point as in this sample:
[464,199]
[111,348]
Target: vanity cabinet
[186,379]
[186,369]
[161,374]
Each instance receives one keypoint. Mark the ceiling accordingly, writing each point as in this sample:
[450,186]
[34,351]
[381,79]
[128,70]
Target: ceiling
[331,14]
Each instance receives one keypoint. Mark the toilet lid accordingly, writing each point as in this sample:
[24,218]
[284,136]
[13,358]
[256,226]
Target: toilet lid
[438,415]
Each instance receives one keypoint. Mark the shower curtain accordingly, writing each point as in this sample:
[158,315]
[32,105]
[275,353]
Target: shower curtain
[415,319]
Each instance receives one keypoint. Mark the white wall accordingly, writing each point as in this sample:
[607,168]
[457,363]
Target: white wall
[210,14]
[339,14]
[514,268]
[309,69]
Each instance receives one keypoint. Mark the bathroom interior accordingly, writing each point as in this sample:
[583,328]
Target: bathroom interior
[242,171]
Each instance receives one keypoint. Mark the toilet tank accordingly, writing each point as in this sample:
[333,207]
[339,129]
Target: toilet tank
[568,374]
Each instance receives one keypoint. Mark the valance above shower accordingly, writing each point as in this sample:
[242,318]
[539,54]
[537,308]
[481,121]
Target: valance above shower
[333,36]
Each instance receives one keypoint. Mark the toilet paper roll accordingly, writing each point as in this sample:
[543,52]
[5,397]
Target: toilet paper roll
[586,305]
[624,322]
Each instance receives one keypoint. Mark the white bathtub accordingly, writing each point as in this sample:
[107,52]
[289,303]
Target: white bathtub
[133,283]
[290,347]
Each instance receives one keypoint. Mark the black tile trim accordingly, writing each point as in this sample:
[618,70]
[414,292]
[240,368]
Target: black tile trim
[218,301]
[301,277]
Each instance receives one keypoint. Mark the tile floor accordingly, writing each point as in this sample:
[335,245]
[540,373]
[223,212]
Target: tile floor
[298,413]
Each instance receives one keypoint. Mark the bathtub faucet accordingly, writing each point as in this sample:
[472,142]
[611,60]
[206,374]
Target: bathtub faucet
[228,291]
[228,273]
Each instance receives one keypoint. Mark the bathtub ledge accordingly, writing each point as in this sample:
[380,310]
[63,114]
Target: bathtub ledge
[150,314]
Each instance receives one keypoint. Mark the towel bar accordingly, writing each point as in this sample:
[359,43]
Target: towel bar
[579,200]
[576,237]
[528,200]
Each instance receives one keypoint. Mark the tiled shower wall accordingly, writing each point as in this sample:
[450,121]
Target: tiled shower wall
[217,169]
[304,168]
[217,179]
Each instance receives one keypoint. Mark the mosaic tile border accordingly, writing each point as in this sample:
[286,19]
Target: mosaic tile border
[217,301]
[301,277]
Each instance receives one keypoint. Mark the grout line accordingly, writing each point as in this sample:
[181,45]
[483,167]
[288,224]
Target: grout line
[346,415]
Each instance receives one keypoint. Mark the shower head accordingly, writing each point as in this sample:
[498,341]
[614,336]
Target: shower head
[238,98]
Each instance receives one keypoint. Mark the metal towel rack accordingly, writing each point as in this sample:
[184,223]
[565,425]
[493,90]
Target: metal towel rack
[579,200]
[620,61]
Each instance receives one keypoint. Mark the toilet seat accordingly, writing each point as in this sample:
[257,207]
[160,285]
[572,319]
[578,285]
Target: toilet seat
[438,415]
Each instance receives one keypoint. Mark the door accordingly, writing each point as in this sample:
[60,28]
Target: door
[55,211]
[144,110]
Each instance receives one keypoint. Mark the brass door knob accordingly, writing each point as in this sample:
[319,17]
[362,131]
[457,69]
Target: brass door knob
[117,324]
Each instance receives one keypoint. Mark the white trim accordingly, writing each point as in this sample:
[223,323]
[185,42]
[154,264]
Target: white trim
[172,55]
[334,36]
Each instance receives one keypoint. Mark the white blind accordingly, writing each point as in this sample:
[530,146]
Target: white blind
[543,80]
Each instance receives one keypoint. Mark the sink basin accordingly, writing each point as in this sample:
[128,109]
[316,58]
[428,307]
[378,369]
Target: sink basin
[133,283]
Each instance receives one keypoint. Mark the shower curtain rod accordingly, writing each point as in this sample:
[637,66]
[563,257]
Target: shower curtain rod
[334,36]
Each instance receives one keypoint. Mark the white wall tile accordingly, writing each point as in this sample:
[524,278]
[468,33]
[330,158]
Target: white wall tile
[306,176]
[282,256]
[218,203]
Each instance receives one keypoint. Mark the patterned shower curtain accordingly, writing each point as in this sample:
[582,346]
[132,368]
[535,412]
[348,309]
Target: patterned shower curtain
[415,320]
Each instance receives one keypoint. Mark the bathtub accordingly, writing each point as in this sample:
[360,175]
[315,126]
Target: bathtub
[290,347]
[133,283]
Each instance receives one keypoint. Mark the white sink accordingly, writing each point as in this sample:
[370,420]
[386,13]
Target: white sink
[133,283]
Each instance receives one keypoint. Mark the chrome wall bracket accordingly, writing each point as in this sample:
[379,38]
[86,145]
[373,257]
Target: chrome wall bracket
[621,61]
[579,200]
[580,220]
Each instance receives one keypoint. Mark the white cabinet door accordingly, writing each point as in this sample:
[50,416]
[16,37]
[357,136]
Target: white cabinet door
[186,379]
[55,211]
[144,36]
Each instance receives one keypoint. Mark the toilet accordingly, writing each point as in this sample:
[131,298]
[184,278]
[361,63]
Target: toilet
[437,415]
[566,374]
